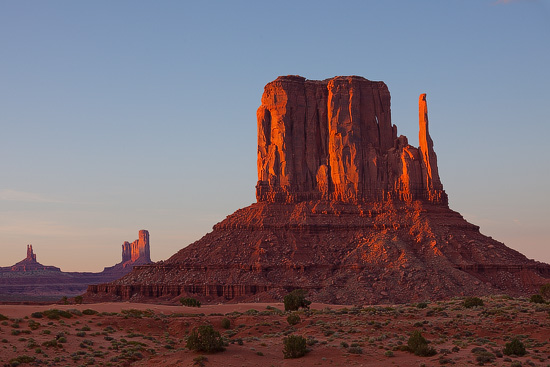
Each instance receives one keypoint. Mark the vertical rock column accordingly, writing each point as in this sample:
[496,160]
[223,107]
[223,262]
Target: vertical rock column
[430,174]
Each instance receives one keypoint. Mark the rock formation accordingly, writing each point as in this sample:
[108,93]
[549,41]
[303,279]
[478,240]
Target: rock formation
[30,280]
[137,252]
[29,264]
[345,208]
[334,140]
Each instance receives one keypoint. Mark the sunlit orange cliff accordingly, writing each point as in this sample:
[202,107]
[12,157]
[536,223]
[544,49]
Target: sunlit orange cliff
[346,209]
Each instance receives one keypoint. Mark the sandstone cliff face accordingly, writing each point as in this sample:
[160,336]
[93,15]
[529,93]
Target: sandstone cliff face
[334,140]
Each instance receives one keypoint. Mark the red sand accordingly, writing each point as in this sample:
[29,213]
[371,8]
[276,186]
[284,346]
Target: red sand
[122,336]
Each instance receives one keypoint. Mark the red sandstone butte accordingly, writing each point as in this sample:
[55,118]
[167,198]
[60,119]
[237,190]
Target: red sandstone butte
[334,140]
[138,251]
[346,209]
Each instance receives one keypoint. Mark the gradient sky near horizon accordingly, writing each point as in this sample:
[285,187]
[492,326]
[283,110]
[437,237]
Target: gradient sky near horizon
[118,116]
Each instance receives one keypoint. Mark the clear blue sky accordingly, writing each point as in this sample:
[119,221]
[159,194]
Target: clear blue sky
[118,116]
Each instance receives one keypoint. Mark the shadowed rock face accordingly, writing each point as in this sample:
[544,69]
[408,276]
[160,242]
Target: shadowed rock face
[346,209]
[334,140]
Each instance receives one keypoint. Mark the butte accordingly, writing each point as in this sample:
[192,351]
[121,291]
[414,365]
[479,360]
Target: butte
[346,209]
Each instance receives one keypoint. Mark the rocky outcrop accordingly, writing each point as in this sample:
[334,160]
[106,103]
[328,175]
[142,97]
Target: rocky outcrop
[138,251]
[334,140]
[346,209]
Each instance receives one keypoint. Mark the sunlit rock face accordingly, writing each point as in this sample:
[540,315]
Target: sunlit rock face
[137,252]
[334,140]
[346,209]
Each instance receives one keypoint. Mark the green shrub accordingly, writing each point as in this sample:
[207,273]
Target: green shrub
[55,314]
[421,305]
[294,346]
[418,345]
[514,347]
[190,302]
[78,300]
[37,315]
[295,300]
[536,298]
[545,291]
[483,356]
[470,302]
[355,350]
[293,319]
[3,317]
[89,312]
[226,323]
[205,339]
[51,343]
[21,359]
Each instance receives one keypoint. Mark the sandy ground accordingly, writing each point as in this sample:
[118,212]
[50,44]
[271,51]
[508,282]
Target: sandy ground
[130,334]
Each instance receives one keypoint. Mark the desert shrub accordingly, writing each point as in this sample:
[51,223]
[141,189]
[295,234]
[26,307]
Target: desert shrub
[388,353]
[33,325]
[74,311]
[514,347]
[205,339]
[51,343]
[483,356]
[55,314]
[355,349]
[470,302]
[3,317]
[536,298]
[418,345]
[226,323]
[190,302]
[545,291]
[89,312]
[293,319]
[137,313]
[78,300]
[295,300]
[21,359]
[421,305]
[36,315]
[294,346]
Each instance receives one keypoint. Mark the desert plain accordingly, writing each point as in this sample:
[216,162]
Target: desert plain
[140,334]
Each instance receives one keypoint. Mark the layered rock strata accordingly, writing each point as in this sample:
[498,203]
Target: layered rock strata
[346,209]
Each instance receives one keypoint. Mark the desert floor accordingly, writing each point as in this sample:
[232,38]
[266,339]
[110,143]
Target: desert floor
[131,334]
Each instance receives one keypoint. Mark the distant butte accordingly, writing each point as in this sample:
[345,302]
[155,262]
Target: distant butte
[28,280]
[30,264]
[346,209]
